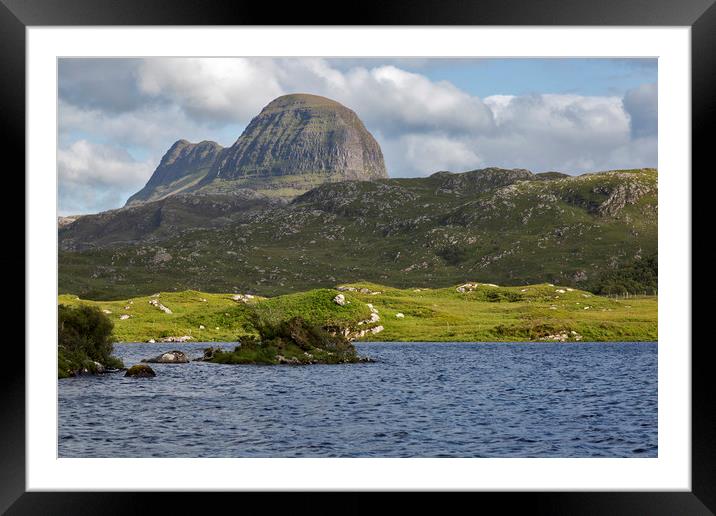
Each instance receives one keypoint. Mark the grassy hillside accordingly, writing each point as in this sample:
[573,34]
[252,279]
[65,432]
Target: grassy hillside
[481,313]
[506,226]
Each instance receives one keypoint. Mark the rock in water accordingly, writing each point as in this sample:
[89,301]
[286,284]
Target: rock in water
[170,357]
[140,371]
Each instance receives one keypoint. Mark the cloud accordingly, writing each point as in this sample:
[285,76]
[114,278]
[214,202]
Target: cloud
[93,175]
[642,105]
[422,154]
[396,101]
[154,127]
[211,90]
[106,84]
[391,99]
[568,133]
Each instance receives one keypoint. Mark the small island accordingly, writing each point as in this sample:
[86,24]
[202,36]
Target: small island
[293,342]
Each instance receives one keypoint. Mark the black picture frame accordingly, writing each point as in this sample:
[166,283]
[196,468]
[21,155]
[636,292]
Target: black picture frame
[700,15]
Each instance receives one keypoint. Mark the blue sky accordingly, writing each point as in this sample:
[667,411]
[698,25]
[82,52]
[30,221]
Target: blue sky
[523,76]
[117,117]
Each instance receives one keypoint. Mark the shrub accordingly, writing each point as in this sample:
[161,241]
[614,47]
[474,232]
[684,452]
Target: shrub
[295,339]
[636,277]
[84,336]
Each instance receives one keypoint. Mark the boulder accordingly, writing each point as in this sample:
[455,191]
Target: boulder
[208,355]
[183,338]
[399,315]
[160,306]
[280,359]
[170,357]
[340,299]
[140,371]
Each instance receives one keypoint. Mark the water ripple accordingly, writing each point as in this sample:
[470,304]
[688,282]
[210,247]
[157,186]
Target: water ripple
[417,400]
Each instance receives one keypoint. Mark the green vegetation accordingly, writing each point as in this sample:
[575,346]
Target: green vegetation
[637,277]
[504,226]
[293,341]
[481,313]
[84,341]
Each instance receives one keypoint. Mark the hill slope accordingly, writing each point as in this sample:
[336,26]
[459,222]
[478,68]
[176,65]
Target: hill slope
[493,225]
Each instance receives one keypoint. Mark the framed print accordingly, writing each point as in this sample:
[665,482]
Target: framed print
[418,252]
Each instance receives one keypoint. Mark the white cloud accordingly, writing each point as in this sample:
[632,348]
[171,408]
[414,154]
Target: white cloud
[212,89]
[153,127]
[397,101]
[91,175]
[422,154]
[569,133]
[386,96]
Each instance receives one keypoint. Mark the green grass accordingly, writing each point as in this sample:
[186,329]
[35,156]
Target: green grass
[489,313]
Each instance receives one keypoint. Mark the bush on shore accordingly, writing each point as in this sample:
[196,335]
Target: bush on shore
[84,339]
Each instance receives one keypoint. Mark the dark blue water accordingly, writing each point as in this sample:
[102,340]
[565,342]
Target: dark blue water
[418,400]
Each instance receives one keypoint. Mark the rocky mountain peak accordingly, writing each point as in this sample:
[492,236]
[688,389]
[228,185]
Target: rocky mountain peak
[181,168]
[302,134]
[296,142]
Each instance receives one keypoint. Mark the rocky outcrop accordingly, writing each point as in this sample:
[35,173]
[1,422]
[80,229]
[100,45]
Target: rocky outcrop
[563,336]
[183,165]
[622,195]
[183,338]
[155,303]
[302,134]
[170,357]
[477,181]
[66,221]
[243,298]
[361,290]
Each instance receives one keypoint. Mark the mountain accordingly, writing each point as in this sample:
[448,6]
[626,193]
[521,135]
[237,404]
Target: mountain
[297,142]
[181,168]
[492,225]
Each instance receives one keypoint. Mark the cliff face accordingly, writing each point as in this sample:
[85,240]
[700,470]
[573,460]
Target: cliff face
[303,134]
[296,143]
[181,168]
